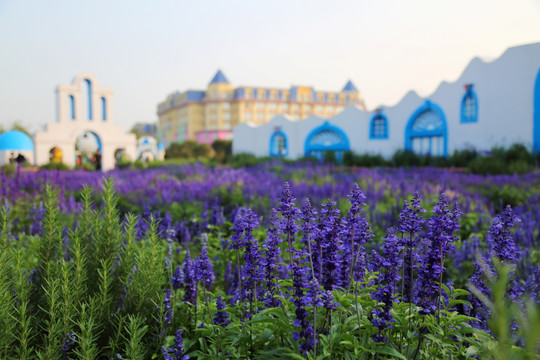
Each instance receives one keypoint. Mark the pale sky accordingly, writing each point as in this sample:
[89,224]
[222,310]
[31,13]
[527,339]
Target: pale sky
[145,50]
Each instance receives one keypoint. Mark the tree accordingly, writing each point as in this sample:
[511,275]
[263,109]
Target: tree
[222,150]
[135,131]
[17,125]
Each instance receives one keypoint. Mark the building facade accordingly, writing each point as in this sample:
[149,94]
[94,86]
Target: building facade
[85,119]
[207,115]
[493,103]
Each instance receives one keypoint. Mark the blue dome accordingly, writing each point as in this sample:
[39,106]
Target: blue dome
[16,140]
[160,146]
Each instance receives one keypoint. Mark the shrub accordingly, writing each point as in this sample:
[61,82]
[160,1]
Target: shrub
[406,158]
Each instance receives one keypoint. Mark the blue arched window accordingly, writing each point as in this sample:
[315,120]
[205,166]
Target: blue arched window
[326,138]
[72,106]
[426,132]
[469,105]
[103,108]
[378,128]
[89,87]
[278,144]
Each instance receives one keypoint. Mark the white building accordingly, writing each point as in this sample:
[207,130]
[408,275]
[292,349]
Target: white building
[493,103]
[84,108]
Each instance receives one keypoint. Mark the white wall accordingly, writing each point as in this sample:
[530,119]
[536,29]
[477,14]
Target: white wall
[64,133]
[504,89]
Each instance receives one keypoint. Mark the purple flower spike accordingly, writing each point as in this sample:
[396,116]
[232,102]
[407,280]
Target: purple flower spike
[176,352]
[221,317]
[205,270]
[177,279]
[168,311]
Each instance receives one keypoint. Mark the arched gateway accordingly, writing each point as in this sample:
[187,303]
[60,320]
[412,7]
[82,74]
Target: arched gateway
[83,108]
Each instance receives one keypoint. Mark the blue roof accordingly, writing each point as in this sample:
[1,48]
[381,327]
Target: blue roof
[160,146]
[219,78]
[349,86]
[195,95]
[16,140]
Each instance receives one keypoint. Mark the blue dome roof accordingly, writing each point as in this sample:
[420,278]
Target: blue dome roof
[349,86]
[160,146]
[219,78]
[16,140]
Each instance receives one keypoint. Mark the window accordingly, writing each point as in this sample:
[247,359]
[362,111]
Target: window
[426,132]
[278,144]
[72,106]
[285,107]
[469,105]
[103,109]
[326,138]
[379,127]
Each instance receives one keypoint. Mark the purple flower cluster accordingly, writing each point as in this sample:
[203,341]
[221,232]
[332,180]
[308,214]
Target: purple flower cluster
[389,265]
[221,316]
[176,352]
[204,268]
[68,343]
[440,235]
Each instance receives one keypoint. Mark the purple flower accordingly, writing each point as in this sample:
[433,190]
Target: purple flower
[205,270]
[355,232]
[329,246]
[269,262]
[388,265]
[68,343]
[441,228]
[167,311]
[231,279]
[500,238]
[190,280]
[238,230]
[176,352]
[252,272]
[305,336]
[177,279]
[221,316]
[410,222]
[290,215]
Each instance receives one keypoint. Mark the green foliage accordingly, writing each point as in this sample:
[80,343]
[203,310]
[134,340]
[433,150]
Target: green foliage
[514,160]
[245,160]
[461,158]
[363,160]
[187,150]
[222,150]
[405,158]
[505,313]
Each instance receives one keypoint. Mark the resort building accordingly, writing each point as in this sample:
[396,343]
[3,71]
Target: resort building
[494,103]
[207,115]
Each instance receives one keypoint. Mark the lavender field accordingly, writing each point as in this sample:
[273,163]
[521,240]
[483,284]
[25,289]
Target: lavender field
[275,261]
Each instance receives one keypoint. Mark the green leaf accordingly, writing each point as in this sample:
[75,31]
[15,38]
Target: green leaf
[471,350]
[387,350]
